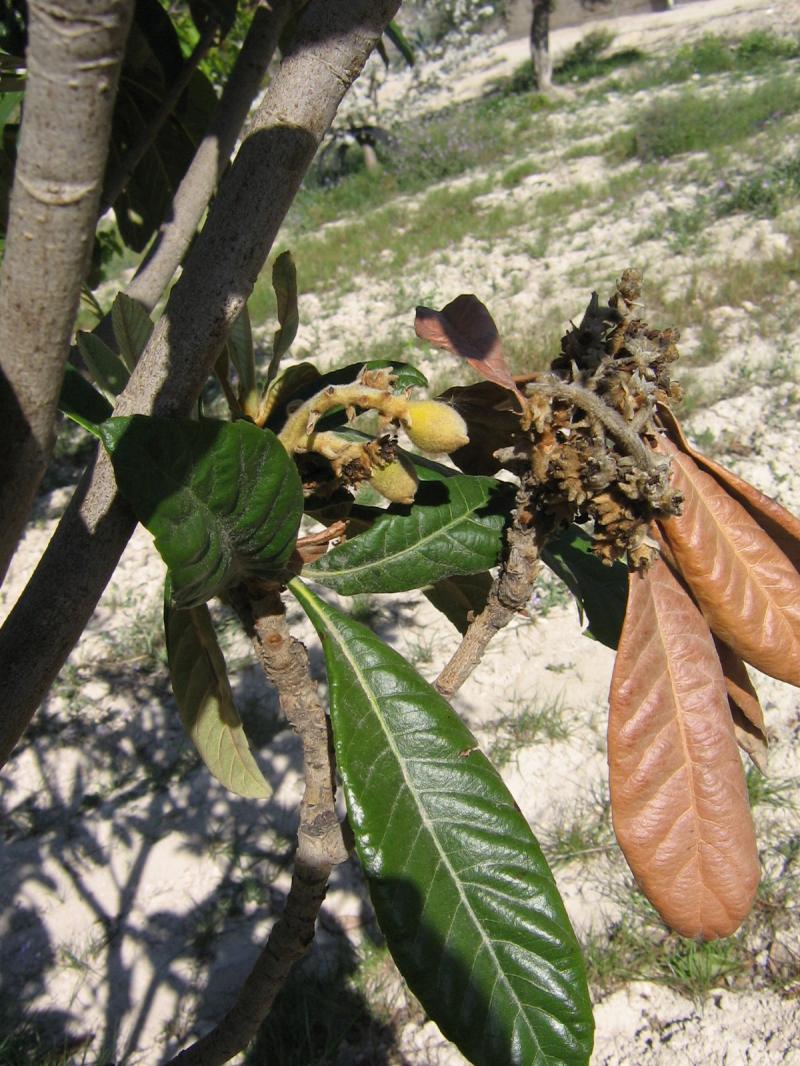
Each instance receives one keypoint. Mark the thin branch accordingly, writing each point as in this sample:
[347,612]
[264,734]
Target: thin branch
[74,57]
[510,592]
[335,37]
[118,180]
[211,157]
[320,845]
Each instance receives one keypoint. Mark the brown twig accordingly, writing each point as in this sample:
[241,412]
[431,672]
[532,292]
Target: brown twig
[320,845]
[510,592]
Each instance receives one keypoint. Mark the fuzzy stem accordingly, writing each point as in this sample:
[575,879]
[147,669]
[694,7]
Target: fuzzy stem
[510,592]
[301,423]
[320,845]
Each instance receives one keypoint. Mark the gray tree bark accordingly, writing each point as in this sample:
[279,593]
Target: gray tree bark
[212,156]
[335,37]
[74,56]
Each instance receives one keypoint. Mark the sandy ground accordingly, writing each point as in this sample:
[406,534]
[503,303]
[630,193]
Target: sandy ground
[140,891]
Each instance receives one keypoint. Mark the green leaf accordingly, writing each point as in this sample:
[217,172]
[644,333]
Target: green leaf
[132,328]
[241,353]
[398,39]
[80,401]
[284,282]
[462,892]
[105,366]
[601,591]
[454,526]
[205,701]
[460,597]
[223,500]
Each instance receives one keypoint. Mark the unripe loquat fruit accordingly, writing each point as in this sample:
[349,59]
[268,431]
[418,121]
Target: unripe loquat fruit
[434,426]
[397,481]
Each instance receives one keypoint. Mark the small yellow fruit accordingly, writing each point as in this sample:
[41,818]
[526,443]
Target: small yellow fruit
[397,481]
[434,426]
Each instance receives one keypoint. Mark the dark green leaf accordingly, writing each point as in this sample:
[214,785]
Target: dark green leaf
[601,591]
[467,903]
[205,701]
[132,328]
[223,500]
[460,597]
[284,282]
[454,526]
[398,39]
[105,366]
[81,401]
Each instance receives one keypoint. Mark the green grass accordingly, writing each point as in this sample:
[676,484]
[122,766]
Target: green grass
[529,722]
[693,122]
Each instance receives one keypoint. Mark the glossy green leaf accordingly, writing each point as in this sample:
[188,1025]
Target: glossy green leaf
[223,500]
[467,903]
[205,701]
[460,597]
[80,400]
[106,367]
[601,591]
[454,526]
[132,328]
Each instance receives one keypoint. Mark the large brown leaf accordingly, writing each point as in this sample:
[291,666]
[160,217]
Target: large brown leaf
[678,793]
[746,711]
[782,526]
[745,586]
[465,328]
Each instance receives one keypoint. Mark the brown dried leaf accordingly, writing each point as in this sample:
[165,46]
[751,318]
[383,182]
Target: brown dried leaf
[492,423]
[745,586]
[782,526]
[678,793]
[748,716]
[465,328]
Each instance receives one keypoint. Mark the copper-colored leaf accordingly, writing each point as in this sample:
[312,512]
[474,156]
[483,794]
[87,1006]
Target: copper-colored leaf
[465,328]
[748,717]
[782,526]
[678,793]
[745,586]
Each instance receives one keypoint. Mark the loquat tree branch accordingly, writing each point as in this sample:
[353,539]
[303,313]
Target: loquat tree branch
[334,39]
[320,844]
[213,154]
[74,57]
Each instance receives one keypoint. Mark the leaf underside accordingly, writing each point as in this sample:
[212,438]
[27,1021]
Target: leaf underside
[745,586]
[462,892]
[454,526]
[748,716]
[205,701]
[678,793]
[223,500]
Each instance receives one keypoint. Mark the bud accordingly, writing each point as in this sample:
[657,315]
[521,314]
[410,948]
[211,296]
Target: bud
[397,481]
[434,426]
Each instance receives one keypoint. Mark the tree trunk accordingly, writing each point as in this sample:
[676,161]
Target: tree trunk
[74,55]
[540,46]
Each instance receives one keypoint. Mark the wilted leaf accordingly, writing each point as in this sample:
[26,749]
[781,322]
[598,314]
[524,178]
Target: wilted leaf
[239,347]
[781,525]
[132,328]
[460,597]
[106,367]
[601,591]
[205,701]
[465,328]
[748,717]
[454,526]
[493,422]
[678,793]
[462,892]
[223,500]
[745,586]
